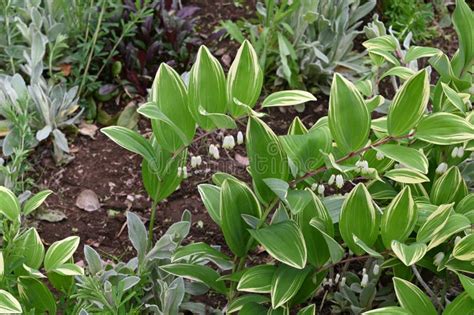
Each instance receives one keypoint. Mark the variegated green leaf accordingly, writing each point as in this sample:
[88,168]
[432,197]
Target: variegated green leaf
[406,176]
[288,98]
[464,249]
[449,187]
[359,217]
[434,223]
[399,219]
[456,223]
[409,157]
[286,283]
[444,129]
[257,279]
[412,298]
[10,206]
[409,254]
[409,104]
[244,80]
[344,119]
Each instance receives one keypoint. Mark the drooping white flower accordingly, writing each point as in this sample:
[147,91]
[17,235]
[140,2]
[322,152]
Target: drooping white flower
[228,142]
[332,179]
[314,186]
[376,269]
[336,279]
[185,172]
[379,156]
[321,189]
[339,181]
[442,167]
[454,153]
[438,258]
[460,152]
[365,280]
[214,151]
[330,283]
[180,171]
[363,166]
[457,239]
[196,161]
[240,137]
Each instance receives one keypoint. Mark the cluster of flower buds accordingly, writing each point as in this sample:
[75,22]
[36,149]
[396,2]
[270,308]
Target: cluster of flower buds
[196,161]
[379,156]
[363,166]
[338,179]
[214,152]
[228,142]
[442,167]
[319,188]
[183,171]
[458,152]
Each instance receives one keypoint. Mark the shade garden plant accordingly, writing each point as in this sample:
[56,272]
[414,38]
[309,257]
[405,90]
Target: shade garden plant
[367,210]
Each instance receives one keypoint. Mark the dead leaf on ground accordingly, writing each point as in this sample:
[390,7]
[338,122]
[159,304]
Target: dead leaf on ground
[51,216]
[88,129]
[88,200]
[242,160]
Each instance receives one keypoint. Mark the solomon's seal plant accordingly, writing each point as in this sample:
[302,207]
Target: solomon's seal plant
[28,272]
[396,210]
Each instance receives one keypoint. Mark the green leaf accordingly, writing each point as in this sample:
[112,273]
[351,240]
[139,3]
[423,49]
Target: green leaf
[417,52]
[456,224]
[130,140]
[463,23]
[35,201]
[462,304]
[388,310]
[409,157]
[9,304]
[318,250]
[241,301]
[207,88]
[409,104]
[60,252]
[401,72]
[288,98]
[409,254]
[366,248]
[412,298]
[286,283]
[386,42]
[137,234]
[406,176]
[245,79]
[211,197]
[467,283]
[284,242]
[68,270]
[219,120]
[266,157]
[199,250]
[199,273]
[374,102]
[434,223]
[169,95]
[10,206]
[305,150]
[344,119]
[399,219]
[453,97]
[237,199]
[257,279]
[308,310]
[336,252]
[358,217]
[449,187]
[444,129]
[464,249]
[29,246]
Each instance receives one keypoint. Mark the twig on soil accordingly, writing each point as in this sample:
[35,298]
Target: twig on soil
[426,287]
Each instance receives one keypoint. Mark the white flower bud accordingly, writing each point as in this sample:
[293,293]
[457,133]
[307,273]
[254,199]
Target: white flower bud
[240,137]
[228,142]
[198,160]
[460,152]
[379,156]
[364,271]
[180,171]
[185,171]
[332,179]
[443,167]
[454,153]
[339,181]
[211,149]
[314,186]
[365,280]
[214,151]
[343,281]
[457,239]
[321,189]
[193,162]
[330,283]
[336,279]
[438,258]
[376,269]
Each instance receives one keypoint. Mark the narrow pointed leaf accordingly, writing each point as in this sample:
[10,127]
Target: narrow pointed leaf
[286,283]
[210,196]
[10,206]
[412,298]
[36,201]
[409,157]
[444,129]
[406,176]
[464,249]
[434,223]
[288,98]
